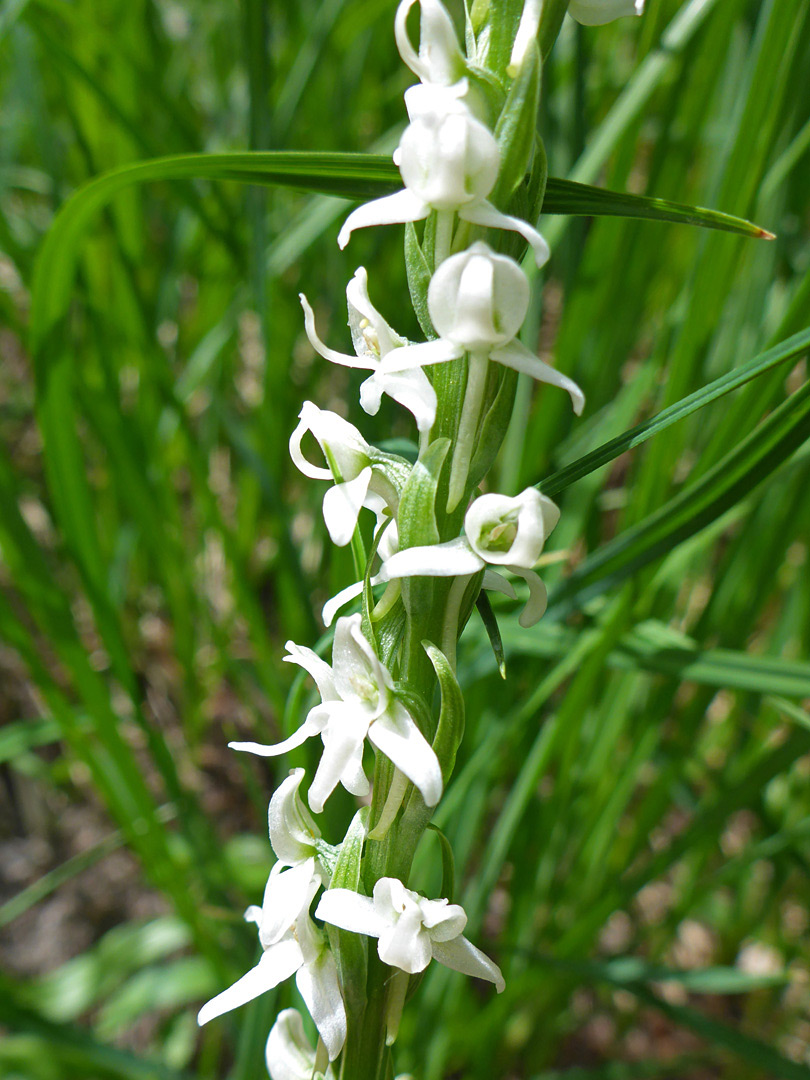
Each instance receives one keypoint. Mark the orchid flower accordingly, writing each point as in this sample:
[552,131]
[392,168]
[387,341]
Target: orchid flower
[357,701]
[477,301]
[411,929]
[598,12]
[289,1053]
[499,531]
[363,475]
[373,340]
[292,945]
[449,162]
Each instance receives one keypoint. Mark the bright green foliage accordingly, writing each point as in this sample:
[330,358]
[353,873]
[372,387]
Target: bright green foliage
[643,771]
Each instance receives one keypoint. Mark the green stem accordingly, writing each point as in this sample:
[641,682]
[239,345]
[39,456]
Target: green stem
[467,427]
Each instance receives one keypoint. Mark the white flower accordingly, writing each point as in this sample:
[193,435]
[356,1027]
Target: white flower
[289,1053]
[293,833]
[477,301]
[499,531]
[353,464]
[449,161]
[292,946]
[357,702]
[373,340]
[598,12]
[439,59]
[411,930]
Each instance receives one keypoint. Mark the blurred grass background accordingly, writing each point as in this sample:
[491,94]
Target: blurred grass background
[630,810]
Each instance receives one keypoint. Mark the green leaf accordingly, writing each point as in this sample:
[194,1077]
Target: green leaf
[492,629]
[450,729]
[515,130]
[787,350]
[730,481]
[448,864]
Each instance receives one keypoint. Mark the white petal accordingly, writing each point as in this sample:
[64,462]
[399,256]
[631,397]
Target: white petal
[276,964]
[291,827]
[443,919]
[598,12]
[353,778]
[335,603]
[419,356]
[289,1054]
[316,472]
[320,671]
[372,337]
[320,989]
[452,559]
[517,356]
[535,609]
[478,299]
[506,530]
[411,389]
[342,505]
[461,955]
[389,210]
[484,213]
[287,895]
[351,911]
[344,359]
[343,735]
[397,736]
[495,582]
[343,442]
[360,677]
[309,728]
[439,59]
[406,944]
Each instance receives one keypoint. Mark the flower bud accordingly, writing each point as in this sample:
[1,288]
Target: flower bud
[478,299]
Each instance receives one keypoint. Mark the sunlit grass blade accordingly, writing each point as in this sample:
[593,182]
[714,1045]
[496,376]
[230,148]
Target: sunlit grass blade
[791,349]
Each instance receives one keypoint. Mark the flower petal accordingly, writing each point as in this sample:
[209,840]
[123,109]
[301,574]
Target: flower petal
[452,559]
[372,337]
[439,59]
[345,729]
[292,830]
[276,964]
[287,895]
[515,355]
[412,389]
[461,955]
[484,213]
[309,728]
[342,505]
[418,356]
[289,1054]
[495,582]
[443,919]
[406,944]
[351,911]
[395,733]
[320,671]
[344,359]
[389,210]
[320,989]
[535,608]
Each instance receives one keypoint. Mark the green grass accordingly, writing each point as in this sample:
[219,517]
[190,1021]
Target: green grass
[639,782]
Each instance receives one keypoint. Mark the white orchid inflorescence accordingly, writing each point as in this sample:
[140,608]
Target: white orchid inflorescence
[391,690]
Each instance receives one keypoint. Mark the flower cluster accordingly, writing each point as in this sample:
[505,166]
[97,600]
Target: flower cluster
[438,541]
